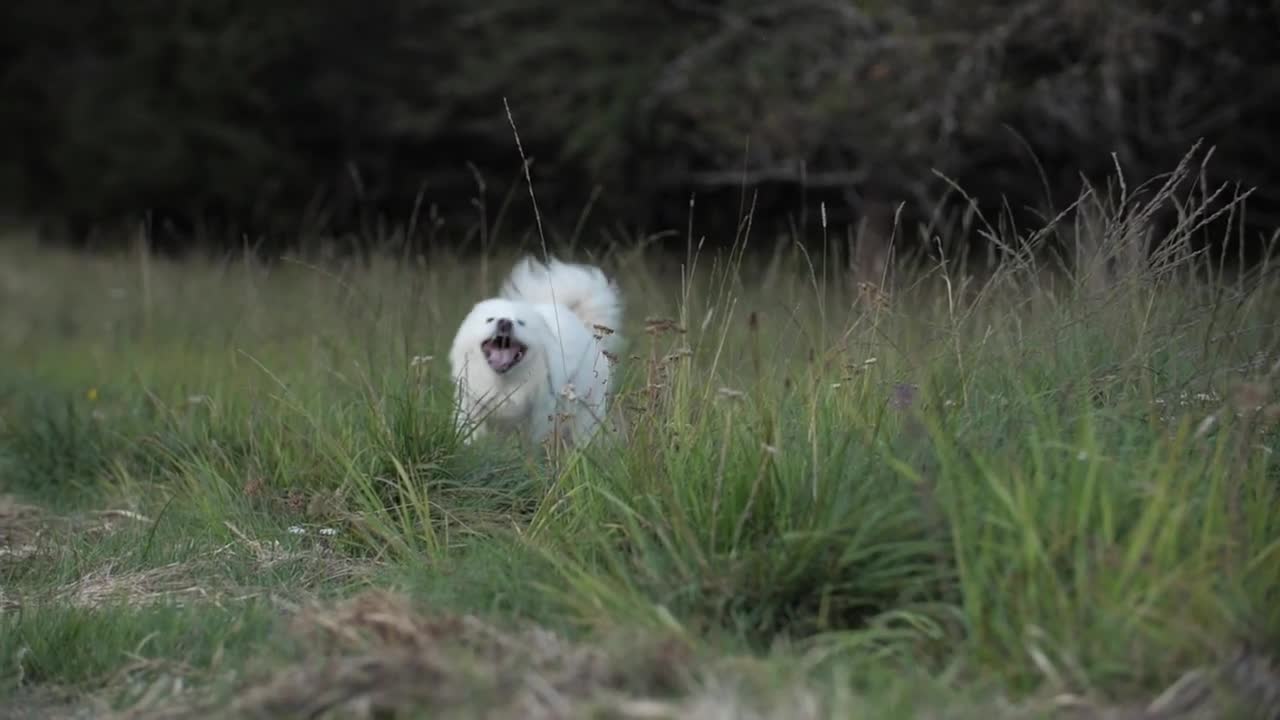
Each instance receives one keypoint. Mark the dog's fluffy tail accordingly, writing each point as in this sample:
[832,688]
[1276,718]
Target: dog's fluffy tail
[584,289]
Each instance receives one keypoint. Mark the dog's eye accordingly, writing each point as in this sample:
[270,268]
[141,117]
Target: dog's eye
[520,322]
[488,320]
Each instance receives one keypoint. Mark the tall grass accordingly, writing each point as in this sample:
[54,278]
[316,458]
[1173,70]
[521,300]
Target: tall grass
[1057,476]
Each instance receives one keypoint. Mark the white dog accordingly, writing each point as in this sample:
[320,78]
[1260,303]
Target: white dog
[532,361]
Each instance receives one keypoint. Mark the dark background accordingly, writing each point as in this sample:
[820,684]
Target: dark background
[274,122]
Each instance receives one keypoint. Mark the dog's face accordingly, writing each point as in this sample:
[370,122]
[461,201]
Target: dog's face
[505,334]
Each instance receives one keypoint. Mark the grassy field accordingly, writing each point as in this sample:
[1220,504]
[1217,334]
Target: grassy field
[232,489]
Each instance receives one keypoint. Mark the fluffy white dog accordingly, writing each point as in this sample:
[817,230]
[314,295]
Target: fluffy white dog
[532,361]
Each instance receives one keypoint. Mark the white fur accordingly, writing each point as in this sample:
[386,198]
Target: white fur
[559,389]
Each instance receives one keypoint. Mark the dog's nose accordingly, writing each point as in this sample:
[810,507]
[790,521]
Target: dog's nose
[504,325]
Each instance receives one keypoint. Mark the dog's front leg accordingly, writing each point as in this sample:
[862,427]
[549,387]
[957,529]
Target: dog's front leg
[543,422]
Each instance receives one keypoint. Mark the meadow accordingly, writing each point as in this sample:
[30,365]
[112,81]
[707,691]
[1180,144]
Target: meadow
[232,488]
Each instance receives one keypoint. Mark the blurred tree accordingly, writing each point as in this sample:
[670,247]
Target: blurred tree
[290,118]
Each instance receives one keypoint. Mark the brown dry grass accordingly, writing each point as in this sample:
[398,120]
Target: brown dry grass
[376,656]
[25,528]
[20,526]
[26,531]
[176,583]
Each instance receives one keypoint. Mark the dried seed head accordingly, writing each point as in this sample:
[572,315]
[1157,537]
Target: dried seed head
[677,354]
[658,326]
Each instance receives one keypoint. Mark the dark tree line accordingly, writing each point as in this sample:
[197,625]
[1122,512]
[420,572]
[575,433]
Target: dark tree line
[279,119]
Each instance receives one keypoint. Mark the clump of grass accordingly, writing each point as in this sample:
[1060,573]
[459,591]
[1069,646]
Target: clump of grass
[118,646]
[56,449]
[983,473]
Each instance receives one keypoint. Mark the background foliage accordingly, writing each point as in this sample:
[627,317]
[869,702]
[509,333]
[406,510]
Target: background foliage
[279,116]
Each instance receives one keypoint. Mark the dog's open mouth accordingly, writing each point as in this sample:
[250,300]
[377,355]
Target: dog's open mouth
[503,352]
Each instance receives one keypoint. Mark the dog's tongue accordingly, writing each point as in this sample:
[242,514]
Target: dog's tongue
[501,358]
